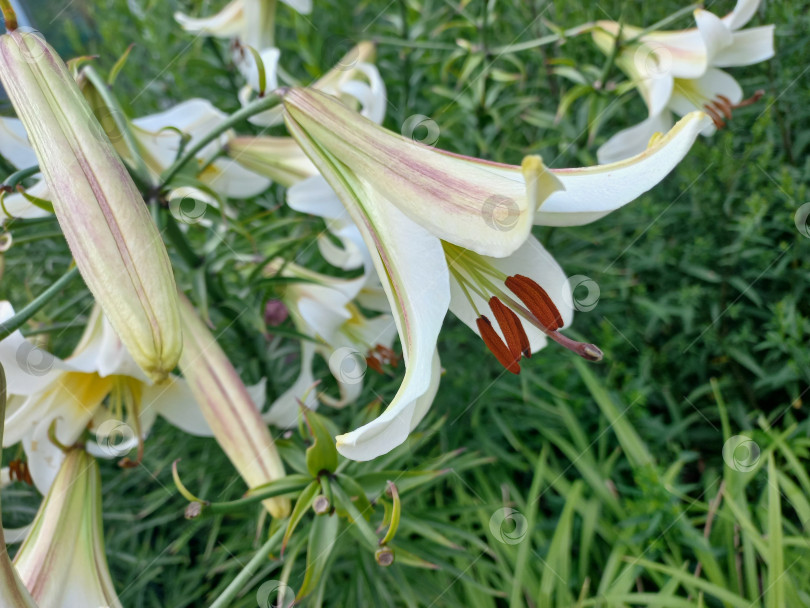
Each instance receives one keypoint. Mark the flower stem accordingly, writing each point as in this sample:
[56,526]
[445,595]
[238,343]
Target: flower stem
[238,583]
[121,122]
[260,105]
[11,325]
[15,178]
[9,15]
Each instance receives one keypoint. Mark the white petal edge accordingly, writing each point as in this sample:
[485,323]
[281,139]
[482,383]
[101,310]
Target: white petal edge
[593,192]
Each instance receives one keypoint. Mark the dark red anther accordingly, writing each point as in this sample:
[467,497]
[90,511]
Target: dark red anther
[536,300]
[511,328]
[496,345]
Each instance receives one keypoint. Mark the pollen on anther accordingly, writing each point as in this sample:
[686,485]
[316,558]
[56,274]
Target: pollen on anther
[511,328]
[497,346]
[536,300]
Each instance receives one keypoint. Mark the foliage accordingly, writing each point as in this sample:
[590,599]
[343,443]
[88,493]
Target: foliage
[613,476]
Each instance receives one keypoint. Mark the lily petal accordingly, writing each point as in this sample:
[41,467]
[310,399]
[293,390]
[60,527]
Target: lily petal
[634,140]
[174,401]
[593,192]
[285,409]
[742,13]
[453,196]
[14,144]
[70,515]
[716,35]
[748,47]
[227,23]
[278,158]
[18,206]
[416,281]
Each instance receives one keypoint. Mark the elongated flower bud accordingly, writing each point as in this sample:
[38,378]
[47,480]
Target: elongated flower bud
[62,560]
[228,408]
[13,593]
[114,241]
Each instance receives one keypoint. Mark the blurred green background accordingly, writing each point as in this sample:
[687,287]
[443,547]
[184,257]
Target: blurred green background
[612,470]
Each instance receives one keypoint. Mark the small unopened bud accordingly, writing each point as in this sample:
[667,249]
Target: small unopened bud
[193,510]
[384,556]
[321,504]
[275,313]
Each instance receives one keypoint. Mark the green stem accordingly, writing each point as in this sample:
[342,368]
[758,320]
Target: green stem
[542,41]
[178,239]
[237,584]
[9,15]
[415,44]
[18,176]
[14,323]
[260,105]
[286,485]
[120,121]
[659,25]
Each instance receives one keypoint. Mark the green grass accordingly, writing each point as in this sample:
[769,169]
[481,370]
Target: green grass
[615,471]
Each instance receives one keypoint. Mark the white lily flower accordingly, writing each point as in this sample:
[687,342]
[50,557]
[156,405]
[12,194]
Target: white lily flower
[17,150]
[251,24]
[99,386]
[677,72]
[13,593]
[314,196]
[323,308]
[251,21]
[438,225]
[62,560]
[159,137]
[354,79]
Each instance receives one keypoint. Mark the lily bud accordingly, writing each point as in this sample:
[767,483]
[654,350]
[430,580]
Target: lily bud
[13,593]
[114,241]
[228,408]
[62,560]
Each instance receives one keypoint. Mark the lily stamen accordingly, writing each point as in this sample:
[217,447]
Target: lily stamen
[512,329]
[18,471]
[381,355]
[496,346]
[723,107]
